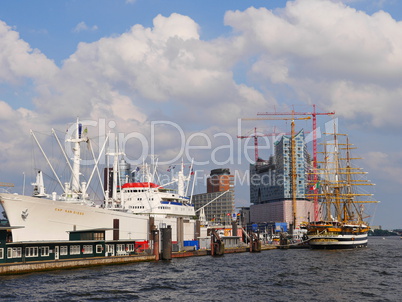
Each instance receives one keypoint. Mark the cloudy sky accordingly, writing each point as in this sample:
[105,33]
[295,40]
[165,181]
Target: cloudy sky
[174,78]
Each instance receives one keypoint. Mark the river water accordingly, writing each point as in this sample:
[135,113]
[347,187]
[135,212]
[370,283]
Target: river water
[369,274]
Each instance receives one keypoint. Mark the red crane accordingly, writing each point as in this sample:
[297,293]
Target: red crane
[256,136]
[293,161]
[314,115]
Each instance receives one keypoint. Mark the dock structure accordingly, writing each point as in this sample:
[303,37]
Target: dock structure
[39,266]
[89,248]
[36,266]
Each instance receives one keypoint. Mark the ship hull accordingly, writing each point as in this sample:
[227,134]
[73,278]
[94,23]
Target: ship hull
[337,241]
[335,235]
[44,219]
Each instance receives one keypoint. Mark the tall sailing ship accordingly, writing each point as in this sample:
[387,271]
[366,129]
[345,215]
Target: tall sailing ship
[338,186]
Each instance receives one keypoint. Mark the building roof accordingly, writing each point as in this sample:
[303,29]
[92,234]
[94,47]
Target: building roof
[92,230]
[11,227]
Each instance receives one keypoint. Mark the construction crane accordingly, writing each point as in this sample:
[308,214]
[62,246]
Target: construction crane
[6,184]
[314,115]
[293,151]
[256,136]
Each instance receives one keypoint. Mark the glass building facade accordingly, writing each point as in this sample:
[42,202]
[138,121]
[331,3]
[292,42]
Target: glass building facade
[271,180]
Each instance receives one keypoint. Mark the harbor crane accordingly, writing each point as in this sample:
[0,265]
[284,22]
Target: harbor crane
[6,184]
[255,136]
[293,152]
[314,114]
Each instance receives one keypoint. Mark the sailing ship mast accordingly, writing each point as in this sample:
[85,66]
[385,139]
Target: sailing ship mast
[338,184]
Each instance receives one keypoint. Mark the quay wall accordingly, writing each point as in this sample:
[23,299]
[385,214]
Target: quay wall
[20,268]
[37,266]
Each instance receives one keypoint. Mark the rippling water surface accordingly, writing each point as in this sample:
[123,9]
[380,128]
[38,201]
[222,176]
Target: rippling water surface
[370,274]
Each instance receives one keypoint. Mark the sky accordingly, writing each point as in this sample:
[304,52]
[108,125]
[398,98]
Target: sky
[174,78]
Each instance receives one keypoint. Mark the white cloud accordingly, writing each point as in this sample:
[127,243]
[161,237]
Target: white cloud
[324,52]
[159,70]
[82,26]
[387,165]
[18,61]
[328,54]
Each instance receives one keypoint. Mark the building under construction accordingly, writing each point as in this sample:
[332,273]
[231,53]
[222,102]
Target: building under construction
[271,183]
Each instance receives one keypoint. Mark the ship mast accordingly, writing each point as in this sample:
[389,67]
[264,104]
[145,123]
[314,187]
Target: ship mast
[293,173]
[337,182]
[75,182]
[337,178]
[180,180]
[327,191]
[115,171]
[347,215]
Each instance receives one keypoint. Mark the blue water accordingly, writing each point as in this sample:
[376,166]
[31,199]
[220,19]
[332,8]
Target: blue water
[369,274]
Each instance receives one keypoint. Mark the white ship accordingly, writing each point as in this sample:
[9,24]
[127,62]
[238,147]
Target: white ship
[131,209]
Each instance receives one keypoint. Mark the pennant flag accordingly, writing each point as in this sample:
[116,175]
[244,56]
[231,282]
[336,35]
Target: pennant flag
[316,185]
[170,168]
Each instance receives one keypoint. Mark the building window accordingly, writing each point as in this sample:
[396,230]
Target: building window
[99,236]
[99,248]
[17,252]
[75,250]
[87,249]
[31,251]
[63,250]
[44,251]
[130,247]
[110,248]
[14,252]
[120,248]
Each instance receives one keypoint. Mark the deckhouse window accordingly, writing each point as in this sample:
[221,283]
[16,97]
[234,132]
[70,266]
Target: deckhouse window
[120,248]
[74,250]
[63,250]
[99,236]
[14,252]
[87,249]
[31,251]
[44,251]
[130,247]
